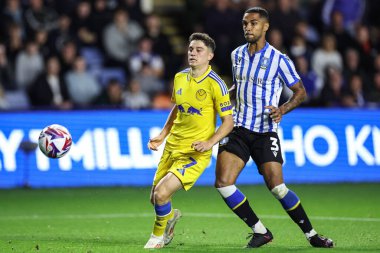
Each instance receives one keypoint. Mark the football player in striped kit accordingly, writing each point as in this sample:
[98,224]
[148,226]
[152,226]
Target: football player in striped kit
[259,73]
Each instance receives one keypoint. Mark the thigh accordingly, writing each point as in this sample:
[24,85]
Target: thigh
[163,166]
[188,167]
[236,143]
[266,148]
[228,168]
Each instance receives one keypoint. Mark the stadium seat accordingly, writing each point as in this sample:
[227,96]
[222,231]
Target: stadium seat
[17,100]
[112,73]
[93,56]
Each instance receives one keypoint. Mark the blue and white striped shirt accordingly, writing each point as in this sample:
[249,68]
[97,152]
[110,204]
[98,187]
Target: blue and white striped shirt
[259,80]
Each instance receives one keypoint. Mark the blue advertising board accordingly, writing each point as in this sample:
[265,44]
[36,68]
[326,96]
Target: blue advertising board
[109,148]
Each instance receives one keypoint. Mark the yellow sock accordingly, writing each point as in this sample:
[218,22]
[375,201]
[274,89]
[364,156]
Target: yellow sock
[160,223]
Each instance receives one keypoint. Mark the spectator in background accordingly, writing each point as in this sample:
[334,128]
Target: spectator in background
[41,39]
[354,96]
[112,95]
[67,56]
[121,37]
[149,82]
[353,67]
[307,32]
[352,12]
[101,16]
[14,44]
[222,23]
[40,17]
[342,36]
[376,63]
[332,92]
[133,7]
[134,98]
[310,79]
[82,26]
[365,46]
[29,64]
[161,44]
[145,54]
[58,37]
[12,14]
[83,88]
[7,81]
[299,48]
[326,55]
[285,17]
[50,89]
[374,94]
[275,38]
[3,101]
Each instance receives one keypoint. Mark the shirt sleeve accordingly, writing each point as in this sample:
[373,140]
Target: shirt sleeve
[233,68]
[221,98]
[287,71]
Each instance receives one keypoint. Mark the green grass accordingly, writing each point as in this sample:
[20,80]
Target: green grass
[120,220]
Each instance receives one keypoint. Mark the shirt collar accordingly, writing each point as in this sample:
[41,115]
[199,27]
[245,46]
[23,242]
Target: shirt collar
[201,77]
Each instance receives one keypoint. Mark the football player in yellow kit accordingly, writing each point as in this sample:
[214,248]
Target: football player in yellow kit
[199,95]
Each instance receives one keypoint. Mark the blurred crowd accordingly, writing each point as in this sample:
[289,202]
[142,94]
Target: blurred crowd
[113,53]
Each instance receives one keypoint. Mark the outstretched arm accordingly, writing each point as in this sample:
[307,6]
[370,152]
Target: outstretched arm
[155,142]
[299,95]
[223,130]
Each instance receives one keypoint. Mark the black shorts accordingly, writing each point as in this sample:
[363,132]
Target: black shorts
[262,147]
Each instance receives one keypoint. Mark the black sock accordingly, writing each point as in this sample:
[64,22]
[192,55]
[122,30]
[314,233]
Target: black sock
[299,216]
[245,212]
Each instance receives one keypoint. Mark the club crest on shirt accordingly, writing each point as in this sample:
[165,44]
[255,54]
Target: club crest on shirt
[264,63]
[201,95]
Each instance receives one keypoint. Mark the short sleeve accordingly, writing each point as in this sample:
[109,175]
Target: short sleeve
[221,96]
[287,71]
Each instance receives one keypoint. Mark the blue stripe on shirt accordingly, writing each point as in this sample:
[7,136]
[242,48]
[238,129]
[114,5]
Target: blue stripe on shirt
[220,82]
[263,96]
[239,86]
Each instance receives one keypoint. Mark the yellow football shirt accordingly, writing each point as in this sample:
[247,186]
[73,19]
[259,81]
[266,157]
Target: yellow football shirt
[198,100]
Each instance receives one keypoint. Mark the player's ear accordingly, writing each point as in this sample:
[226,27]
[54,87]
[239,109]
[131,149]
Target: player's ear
[266,26]
[210,56]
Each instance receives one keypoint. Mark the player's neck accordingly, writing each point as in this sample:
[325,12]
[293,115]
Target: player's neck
[198,71]
[256,47]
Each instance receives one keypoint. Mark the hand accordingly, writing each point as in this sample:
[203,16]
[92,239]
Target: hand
[201,146]
[155,142]
[275,113]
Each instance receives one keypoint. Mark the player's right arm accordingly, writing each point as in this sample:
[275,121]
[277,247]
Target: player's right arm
[155,142]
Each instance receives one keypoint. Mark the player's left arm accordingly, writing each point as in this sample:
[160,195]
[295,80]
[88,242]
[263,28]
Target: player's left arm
[299,95]
[224,129]
[290,77]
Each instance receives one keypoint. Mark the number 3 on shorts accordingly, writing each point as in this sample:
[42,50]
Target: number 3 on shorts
[274,146]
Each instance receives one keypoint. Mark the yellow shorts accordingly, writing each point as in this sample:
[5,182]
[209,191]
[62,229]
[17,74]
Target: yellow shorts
[186,166]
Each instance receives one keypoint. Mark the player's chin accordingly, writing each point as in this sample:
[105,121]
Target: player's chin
[250,39]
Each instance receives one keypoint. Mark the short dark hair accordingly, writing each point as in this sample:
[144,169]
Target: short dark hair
[209,42]
[263,12]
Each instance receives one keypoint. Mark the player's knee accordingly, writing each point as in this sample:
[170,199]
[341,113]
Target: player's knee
[223,182]
[280,191]
[160,195]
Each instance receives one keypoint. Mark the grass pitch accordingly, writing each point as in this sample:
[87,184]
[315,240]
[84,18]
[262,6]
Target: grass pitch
[120,220]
